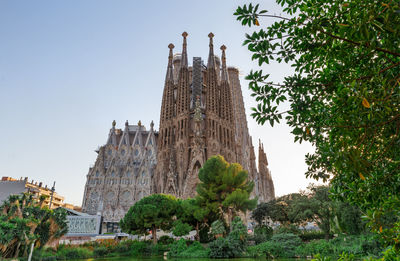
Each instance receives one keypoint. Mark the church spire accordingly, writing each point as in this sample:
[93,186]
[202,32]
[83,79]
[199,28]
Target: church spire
[170,74]
[224,75]
[184,61]
[211,58]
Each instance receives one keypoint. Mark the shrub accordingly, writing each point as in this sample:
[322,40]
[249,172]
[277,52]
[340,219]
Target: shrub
[267,249]
[138,248]
[74,253]
[177,247]
[233,245]
[347,244]
[311,235]
[43,254]
[166,240]
[391,254]
[218,228]
[123,247]
[100,251]
[314,247]
[194,250]
[290,229]
[342,246]
[371,246]
[220,248]
[262,233]
[157,249]
[280,245]
[108,243]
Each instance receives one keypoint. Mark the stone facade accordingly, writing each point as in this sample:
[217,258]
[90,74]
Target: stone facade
[122,173]
[202,114]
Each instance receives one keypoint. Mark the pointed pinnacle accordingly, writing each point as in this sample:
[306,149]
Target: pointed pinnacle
[223,47]
[171,46]
[211,35]
[185,34]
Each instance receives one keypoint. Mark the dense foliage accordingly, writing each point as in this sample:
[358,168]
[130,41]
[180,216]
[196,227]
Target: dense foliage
[150,213]
[189,215]
[25,220]
[224,188]
[344,95]
[314,205]
[234,245]
[182,249]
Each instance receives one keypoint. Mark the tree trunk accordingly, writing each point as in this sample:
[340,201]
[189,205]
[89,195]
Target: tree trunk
[230,219]
[245,218]
[154,233]
[16,253]
[327,237]
[197,232]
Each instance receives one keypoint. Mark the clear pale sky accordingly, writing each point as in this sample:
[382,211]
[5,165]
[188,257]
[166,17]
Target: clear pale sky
[69,68]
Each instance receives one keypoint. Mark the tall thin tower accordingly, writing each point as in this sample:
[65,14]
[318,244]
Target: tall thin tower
[202,114]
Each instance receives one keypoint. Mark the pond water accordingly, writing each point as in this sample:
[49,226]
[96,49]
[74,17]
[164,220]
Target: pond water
[181,259]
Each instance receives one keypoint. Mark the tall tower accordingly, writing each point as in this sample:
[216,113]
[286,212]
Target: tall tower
[202,115]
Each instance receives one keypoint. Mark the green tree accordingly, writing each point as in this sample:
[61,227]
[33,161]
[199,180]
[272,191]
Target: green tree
[181,229]
[191,213]
[154,212]
[224,188]
[344,95]
[25,220]
[218,228]
[322,208]
[234,244]
[291,209]
[348,218]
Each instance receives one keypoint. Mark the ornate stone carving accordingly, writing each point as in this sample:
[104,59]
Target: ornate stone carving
[202,115]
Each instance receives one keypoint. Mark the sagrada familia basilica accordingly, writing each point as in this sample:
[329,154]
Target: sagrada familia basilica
[202,114]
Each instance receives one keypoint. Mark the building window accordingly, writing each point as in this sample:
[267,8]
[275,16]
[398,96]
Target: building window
[112,227]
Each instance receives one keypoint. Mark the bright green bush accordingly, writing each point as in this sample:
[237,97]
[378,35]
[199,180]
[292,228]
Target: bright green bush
[177,247]
[371,245]
[391,255]
[43,254]
[194,250]
[74,253]
[218,228]
[347,244]
[157,249]
[314,247]
[221,248]
[267,249]
[280,245]
[100,251]
[362,245]
[123,247]
[234,245]
[262,234]
[311,235]
[138,248]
